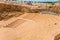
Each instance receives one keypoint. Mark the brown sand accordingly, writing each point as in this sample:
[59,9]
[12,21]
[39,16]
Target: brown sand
[31,27]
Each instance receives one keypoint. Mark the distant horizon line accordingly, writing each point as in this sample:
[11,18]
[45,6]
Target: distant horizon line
[32,1]
[35,1]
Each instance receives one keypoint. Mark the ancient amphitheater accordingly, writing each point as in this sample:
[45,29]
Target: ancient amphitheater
[29,22]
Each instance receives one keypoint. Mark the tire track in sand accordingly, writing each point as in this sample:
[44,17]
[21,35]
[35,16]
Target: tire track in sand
[15,23]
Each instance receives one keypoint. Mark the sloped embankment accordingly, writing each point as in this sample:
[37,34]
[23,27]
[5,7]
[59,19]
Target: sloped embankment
[9,10]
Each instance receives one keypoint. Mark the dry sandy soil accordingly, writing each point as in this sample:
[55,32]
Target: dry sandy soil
[30,27]
[27,24]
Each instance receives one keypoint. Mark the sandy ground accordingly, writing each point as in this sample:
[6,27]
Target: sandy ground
[30,26]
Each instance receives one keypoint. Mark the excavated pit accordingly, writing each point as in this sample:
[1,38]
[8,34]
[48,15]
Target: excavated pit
[35,27]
